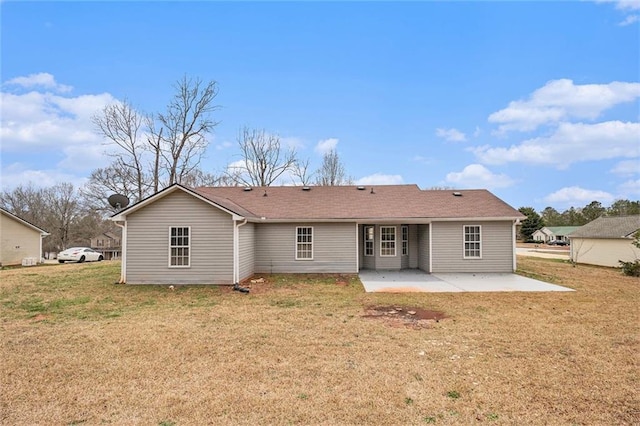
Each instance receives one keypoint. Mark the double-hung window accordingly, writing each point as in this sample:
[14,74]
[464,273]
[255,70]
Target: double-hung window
[405,240]
[387,241]
[180,246]
[472,242]
[368,240]
[304,243]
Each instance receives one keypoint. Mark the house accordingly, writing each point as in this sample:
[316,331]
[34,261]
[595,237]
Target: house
[553,233]
[20,241]
[223,235]
[108,244]
[606,241]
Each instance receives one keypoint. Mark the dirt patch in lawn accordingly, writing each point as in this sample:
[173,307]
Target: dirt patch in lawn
[409,316]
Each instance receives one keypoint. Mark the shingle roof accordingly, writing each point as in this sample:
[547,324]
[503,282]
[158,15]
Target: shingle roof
[609,227]
[562,230]
[351,202]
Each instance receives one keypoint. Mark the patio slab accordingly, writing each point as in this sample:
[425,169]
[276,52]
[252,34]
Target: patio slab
[415,280]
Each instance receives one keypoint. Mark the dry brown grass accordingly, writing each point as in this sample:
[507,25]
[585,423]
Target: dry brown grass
[77,349]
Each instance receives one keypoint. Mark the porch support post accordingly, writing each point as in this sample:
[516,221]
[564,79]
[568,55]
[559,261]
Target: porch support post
[430,248]
[513,235]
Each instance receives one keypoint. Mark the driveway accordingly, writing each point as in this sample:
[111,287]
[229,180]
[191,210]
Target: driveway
[417,281]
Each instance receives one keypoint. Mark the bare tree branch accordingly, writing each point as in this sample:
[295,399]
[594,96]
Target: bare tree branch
[263,159]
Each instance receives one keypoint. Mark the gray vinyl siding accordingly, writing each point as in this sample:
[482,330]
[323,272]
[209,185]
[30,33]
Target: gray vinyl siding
[334,248]
[211,237]
[497,247]
[423,247]
[247,252]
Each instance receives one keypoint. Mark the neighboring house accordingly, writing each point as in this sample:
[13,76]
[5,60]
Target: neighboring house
[606,241]
[223,235]
[19,240]
[553,233]
[107,243]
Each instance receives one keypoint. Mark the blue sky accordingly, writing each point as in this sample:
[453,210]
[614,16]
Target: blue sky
[536,101]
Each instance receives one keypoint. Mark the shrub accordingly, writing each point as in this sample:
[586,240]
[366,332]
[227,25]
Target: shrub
[631,269]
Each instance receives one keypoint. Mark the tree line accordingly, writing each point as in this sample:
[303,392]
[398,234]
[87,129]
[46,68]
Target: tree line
[151,151]
[573,216]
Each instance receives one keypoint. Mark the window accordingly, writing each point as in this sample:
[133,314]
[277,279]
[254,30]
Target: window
[304,243]
[179,246]
[387,241]
[472,242]
[405,240]
[368,240]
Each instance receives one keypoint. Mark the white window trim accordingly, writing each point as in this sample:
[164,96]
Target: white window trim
[312,242]
[395,241]
[188,246]
[404,243]
[464,252]
[373,241]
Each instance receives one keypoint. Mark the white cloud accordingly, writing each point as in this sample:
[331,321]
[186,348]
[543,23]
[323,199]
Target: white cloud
[41,80]
[423,160]
[478,176]
[561,100]
[629,189]
[292,142]
[18,174]
[575,195]
[223,145]
[630,19]
[623,4]
[451,135]
[326,145]
[47,121]
[380,179]
[627,168]
[477,132]
[570,143]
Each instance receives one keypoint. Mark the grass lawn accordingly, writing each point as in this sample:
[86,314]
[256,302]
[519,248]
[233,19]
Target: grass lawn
[78,349]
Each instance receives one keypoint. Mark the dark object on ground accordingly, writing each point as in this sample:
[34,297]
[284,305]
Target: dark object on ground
[236,287]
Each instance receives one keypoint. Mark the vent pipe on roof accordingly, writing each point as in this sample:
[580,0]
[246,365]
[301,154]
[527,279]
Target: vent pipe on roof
[372,192]
[265,193]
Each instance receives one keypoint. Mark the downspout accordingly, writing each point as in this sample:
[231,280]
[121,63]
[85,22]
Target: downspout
[236,250]
[513,243]
[123,251]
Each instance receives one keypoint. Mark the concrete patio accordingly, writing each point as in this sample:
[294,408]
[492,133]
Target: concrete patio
[417,281]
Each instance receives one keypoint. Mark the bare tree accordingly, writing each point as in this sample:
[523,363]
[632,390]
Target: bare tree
[113,179]
[120,123]
[180,136]
[199,178]
[155,150]
[332,172]
[301,171]
[56,209]
[263,158]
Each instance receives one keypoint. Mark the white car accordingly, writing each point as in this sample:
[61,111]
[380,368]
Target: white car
[79,254]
